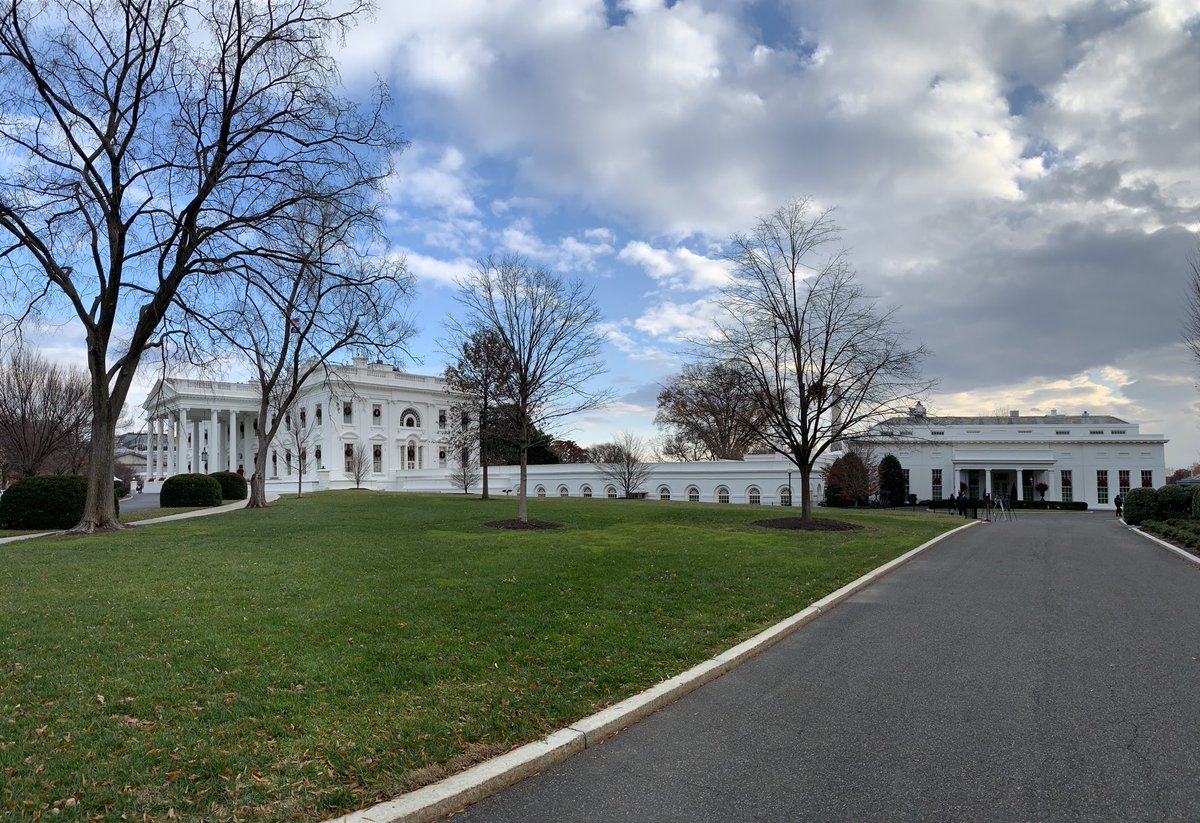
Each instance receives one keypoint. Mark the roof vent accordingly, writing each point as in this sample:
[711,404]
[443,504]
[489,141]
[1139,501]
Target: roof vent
[1054,412]
[1085,414]
[918,410]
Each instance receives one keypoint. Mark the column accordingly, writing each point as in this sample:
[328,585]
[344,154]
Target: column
[151,453]
[247,426]
[987,482]
[169,460]
[181,444]
[214,442]
[230,457]
[1020,484]
[331,454]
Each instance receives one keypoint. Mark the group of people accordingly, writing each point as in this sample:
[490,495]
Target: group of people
[961,503]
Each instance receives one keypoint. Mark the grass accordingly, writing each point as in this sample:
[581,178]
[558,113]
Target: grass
[131,517]
[335,650]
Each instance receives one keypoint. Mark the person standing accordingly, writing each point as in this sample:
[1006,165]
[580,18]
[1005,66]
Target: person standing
[1118,500]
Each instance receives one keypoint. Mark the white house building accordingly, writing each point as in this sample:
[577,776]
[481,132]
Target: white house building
[403,421]
[1088,458]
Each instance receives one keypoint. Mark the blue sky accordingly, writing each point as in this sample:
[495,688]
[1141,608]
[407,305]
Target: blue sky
[1022,179]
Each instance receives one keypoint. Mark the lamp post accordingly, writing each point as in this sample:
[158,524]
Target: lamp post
[204,459]
[789,487]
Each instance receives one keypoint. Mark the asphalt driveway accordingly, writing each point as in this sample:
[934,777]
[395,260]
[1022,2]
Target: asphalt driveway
[1040,670]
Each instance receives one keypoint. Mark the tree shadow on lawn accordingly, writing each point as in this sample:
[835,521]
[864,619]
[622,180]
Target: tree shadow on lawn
[814,525]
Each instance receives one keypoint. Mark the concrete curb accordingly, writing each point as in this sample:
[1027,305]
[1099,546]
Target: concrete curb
[1188,556]
[435,801]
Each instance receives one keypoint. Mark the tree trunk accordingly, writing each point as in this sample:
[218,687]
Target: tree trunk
[805,502]
[258,480]
[99,510]
[484,466]
[522,498]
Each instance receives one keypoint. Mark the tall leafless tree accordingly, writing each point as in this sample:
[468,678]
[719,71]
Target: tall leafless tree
[45,415]
[480,380]
[623,462]
[312,292]
[1191,329]
[464,470]
[299,428]
[151,142]
[547,326]
[361,463]
[708,404]
[821,361]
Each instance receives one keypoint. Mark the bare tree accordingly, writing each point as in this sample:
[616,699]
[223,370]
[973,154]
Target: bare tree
[548,329]
[820,360]
[298,431]
[465,471]
[45,415]
[361,463]
[151,142]
[679,447]
[481,378]
[623,462]
[708,404]
[1191,328]
[311,293]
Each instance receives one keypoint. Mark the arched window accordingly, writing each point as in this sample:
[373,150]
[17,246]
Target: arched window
[540,491]
[585,491]
[785,496]
[664,493]
[693,494]
[611,492]
[753,496]
[410,419]
[563,492]
[722,494]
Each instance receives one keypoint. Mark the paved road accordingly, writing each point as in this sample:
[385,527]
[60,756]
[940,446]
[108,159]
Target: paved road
[139,502]
[1043,670]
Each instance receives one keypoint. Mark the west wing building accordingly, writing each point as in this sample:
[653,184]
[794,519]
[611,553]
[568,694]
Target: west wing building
[1088,458]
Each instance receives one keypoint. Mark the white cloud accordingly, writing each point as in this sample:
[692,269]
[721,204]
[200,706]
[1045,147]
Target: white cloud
[679,322]
[436,271]
[567,254]
[679,268]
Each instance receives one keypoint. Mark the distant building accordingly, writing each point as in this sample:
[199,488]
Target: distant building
[1089,458]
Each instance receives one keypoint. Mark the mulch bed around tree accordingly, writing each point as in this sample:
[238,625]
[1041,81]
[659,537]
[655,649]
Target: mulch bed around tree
[518,526]
[814,525]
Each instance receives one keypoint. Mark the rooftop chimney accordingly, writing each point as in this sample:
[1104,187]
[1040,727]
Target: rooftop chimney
[1014,413]
[1054,412]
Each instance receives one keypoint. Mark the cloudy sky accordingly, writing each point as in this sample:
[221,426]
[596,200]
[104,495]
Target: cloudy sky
[1022,179]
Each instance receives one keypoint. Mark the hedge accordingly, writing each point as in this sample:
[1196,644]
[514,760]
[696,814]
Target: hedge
[189,490]
[1174,501]
[1140,505]
[1184,532]
[233,485]
[47,502]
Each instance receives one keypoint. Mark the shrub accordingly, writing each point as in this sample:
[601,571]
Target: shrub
[44,503]
[189,490]
[1196,504]
[1182,532]
[1140,505]
[233,485]
[1174,501]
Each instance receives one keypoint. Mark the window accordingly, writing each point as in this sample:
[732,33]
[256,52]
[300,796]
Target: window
[937,484]
[318,414]
[972,431]
[376,415]
[287,462]
[937,433]
[410,455]
[1123,481]
[349,452]
[1147,479]
[410,419]
[347,412]
[441,418]
[1096,431]
[1068,493]
[563,492]
[1024,431]
[1101,485]
[753,496]
[906,486]
[317,457]
[377,458]
[585,491]
[664,493]
[785,496]
[1062,431]
[441,458]
[274,463]
[611,492]
[540,491]
[722,494]
[1117,431]
[693,494]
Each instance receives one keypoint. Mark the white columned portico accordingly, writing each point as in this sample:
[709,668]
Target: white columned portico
[194,451]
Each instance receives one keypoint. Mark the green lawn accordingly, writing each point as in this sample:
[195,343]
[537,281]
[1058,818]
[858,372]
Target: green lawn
[131,517]
[341,648]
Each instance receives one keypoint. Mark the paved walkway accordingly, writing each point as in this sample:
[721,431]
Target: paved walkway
[1042,670]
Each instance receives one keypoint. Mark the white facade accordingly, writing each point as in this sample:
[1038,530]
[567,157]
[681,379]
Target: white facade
[403,420]
[1088,458]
